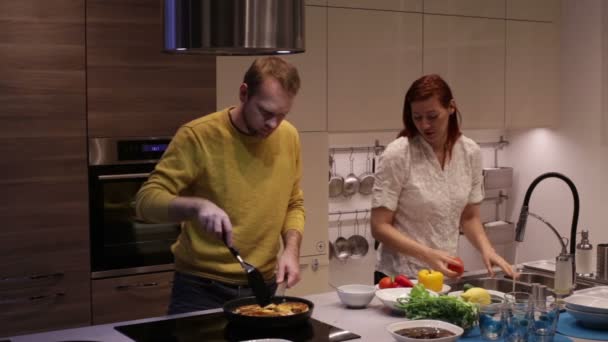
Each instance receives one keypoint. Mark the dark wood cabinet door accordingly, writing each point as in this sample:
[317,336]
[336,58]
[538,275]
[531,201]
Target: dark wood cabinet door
[131,297]
[43,167]
[134,89]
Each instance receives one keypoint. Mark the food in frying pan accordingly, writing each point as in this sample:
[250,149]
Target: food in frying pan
[272,310]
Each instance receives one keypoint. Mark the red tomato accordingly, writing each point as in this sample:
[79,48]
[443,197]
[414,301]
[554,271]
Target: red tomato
[403,281]
[386,283]
[457,266]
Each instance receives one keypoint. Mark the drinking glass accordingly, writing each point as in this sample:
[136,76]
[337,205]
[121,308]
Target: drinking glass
[518,316]
[544,316]
[492,320]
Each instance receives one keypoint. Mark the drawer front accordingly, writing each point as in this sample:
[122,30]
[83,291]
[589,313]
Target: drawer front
[35,302]
[131,297]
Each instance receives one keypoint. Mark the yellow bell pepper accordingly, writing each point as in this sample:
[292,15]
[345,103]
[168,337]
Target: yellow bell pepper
[432,280]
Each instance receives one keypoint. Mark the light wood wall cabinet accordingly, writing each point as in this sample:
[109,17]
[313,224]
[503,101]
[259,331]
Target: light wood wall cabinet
[315,158]
[314,271]
[475,8]
[469,53]
[132,297]
[390,5]
[309,112]
[373,56]
[133,89]
[532,74]
[537,10]
[44,274]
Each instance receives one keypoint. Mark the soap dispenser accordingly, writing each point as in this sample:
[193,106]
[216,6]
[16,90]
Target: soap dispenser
[584,256]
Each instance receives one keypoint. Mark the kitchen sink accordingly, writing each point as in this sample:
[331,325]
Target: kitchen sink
[524,283]
[531,278]
[497,284]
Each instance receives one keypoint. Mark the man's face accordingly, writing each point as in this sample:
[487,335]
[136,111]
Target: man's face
[264,111]
[431,120]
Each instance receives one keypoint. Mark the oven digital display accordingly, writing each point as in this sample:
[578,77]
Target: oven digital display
[154,147]
[133,150]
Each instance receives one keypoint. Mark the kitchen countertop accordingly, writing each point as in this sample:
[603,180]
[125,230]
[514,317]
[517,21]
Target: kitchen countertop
[370,322]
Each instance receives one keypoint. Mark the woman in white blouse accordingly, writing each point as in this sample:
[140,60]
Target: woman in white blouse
[428,184]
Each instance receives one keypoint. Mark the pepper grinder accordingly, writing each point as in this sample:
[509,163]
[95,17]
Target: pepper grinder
[584,256]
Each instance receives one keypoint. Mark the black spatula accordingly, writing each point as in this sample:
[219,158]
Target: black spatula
[255,279]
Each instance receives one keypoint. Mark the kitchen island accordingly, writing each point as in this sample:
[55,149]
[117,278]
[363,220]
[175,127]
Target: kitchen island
[370,323]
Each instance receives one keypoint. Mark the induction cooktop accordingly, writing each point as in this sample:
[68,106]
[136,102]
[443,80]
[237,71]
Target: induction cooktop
[215,327]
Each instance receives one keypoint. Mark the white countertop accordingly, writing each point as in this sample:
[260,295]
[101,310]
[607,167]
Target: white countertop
[370,323]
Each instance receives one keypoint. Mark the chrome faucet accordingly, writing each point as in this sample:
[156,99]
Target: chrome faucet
[564,262]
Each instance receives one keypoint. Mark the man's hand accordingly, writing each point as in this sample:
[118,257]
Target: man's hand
[214,220]
[289,262]
[210,217]
[288,269]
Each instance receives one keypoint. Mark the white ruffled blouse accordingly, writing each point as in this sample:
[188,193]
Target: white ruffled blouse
[427,200]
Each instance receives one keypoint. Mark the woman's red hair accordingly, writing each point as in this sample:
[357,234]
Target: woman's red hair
[422,89]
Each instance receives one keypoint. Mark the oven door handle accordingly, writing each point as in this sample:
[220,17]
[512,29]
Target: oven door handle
[124,176]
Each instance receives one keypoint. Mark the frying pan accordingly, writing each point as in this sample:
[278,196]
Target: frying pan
[266,322]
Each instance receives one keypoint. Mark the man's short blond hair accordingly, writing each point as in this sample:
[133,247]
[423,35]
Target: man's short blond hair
[274,67]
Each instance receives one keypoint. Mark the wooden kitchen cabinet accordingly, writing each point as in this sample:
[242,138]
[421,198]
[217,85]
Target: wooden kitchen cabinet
[389,5]
[134,89]
[532,74]
[470,54]
[475,8]
[373,57]
[131,297]
[44,246]
[309,112]
[537,10]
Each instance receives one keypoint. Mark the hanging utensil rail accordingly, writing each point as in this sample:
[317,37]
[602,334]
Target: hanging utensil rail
[376,148]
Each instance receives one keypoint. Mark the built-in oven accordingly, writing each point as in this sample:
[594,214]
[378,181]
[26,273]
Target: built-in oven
[121,243]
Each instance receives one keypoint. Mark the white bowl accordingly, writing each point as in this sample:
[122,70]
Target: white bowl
[389,296]
[393,327]
[355,295]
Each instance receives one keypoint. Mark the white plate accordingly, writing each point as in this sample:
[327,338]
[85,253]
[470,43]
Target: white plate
[589,319]
[492,293]
[598,291]
[445,289]
[393,327]
[389,296]
[587,303]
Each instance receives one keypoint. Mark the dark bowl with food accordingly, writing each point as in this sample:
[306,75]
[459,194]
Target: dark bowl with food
[428,330]
[284,311]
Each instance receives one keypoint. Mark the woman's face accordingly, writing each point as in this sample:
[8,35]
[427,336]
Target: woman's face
[431,119]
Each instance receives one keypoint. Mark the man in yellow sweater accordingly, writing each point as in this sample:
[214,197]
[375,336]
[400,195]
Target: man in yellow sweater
[233,177]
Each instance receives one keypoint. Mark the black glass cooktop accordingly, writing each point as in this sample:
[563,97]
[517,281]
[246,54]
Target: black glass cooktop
[215,327]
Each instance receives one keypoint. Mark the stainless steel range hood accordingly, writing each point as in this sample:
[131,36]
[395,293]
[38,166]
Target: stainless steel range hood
[233,27]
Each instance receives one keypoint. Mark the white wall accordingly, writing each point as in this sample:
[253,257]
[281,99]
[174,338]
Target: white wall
[574,148]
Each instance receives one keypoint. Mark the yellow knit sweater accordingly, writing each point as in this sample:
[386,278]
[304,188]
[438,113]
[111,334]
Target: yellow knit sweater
[255,181]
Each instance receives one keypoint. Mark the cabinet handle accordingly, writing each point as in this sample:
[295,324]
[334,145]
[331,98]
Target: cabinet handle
[33,277]
[32,299]
[137,286]
[124,176]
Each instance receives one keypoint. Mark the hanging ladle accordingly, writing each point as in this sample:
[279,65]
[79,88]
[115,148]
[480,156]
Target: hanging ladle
[341,244]
[358,243]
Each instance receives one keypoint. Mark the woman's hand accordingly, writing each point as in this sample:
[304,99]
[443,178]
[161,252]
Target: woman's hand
[438,260]
[491,259]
